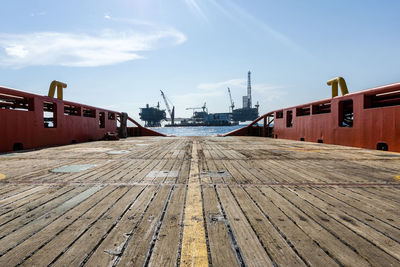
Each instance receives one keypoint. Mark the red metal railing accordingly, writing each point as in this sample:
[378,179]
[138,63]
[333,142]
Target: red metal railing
[367,119]
[32,121]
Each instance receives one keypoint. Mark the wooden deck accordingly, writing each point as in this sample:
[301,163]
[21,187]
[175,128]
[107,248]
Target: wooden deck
[184,201]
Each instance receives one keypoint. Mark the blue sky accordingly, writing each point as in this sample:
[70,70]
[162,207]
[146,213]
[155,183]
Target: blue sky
[119,54]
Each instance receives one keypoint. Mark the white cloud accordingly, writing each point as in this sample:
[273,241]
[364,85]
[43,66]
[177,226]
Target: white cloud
[224,84]
[82,50]
[107,16]
[17,50]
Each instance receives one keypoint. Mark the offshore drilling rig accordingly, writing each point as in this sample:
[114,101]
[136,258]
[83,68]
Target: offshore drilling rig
[152,116]
[247,112]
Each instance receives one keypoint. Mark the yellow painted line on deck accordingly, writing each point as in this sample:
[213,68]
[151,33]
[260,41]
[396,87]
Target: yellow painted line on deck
[397,177]
[194,247]
[2,176]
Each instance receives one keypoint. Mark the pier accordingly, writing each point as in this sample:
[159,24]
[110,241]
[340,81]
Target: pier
[199,201]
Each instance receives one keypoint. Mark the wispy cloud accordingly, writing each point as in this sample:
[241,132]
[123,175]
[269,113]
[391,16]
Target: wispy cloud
[269,92]
[193,5]
[83,50]
[239,15]
[222,85]
[277,35]
[40,13]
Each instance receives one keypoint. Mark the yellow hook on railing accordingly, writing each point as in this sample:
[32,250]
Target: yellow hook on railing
[334,83]
[60,86]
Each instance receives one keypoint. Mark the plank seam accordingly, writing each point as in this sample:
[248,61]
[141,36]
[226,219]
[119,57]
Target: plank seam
[14,230]
[158,227]
[252,228]
[31,234]
[235,247]
[205,228]
[72,188]
[287,240]
[293,221]
[178,260]
[322,192]
[114,262]
[397,241]
[112,227]
[59,232]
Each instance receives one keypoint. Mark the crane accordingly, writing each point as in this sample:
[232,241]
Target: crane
[203,108]
[230,97]
[171,113]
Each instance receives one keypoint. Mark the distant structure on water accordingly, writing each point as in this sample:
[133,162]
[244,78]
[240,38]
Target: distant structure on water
[152,116]
[246,113]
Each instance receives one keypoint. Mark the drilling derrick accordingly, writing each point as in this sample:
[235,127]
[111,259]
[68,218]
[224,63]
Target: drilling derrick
[246,113]
[248,90]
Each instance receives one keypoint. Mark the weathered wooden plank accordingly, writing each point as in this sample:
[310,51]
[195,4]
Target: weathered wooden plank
[44,246]
[218,235]
[26,231]
[33,203]
[14,198]
[183,176]
[134,177]
[159,167]
[31,215]
[11,207]
[130,167]
[306,247]
[280,252]
[139,244]
[338,223]
[384,196]
[174,172]
[166,169]
[166,246]
[112,246]
[16,191]
[104,216]
[251,249]
[388,228]
[336,248]
[376,208]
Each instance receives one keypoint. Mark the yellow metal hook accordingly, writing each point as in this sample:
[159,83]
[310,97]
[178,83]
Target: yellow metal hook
[334,83]
[60,86]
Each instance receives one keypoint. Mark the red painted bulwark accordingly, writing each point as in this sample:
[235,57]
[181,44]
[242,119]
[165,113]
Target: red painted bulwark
[22,123]
[375,122]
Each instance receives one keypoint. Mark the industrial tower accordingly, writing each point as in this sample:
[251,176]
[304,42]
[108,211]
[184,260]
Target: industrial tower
[247,113]
[247,99]
[248,90]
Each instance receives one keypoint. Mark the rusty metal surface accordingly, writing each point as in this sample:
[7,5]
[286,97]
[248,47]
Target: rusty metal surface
[24,126]
[376,121]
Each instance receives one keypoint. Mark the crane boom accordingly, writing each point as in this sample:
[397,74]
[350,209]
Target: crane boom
[230,97]
[171,113]
[204,107]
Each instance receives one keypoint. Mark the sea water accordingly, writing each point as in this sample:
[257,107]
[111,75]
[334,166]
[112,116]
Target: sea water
[196,130]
